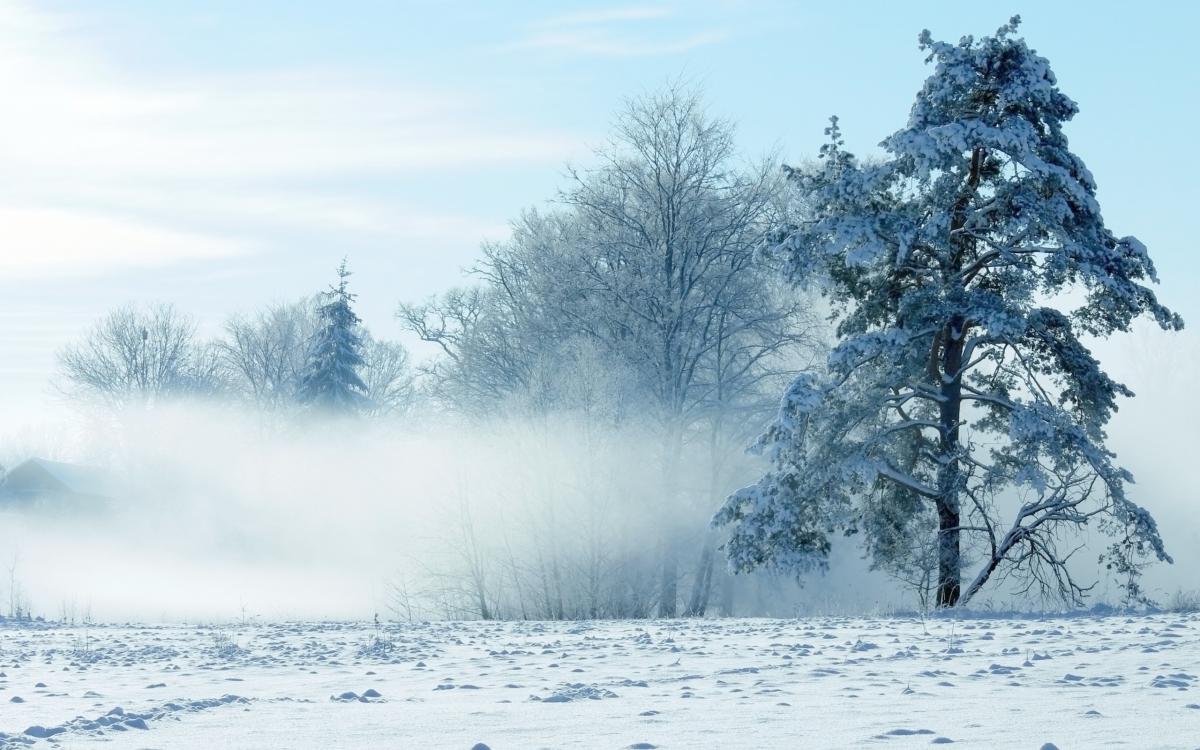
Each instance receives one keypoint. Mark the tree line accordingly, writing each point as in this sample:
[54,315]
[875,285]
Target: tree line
[312,353]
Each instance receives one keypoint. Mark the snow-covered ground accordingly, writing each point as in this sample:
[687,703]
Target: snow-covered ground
[1076,682]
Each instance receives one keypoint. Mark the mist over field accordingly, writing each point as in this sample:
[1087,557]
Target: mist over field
[243,519]
[326,520]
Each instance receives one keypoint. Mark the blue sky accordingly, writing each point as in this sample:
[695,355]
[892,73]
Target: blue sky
[222,155]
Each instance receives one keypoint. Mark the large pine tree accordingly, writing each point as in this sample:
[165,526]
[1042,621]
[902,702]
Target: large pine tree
[330,380]
[961,410]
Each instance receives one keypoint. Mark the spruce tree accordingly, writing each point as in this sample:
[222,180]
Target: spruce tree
[330,380]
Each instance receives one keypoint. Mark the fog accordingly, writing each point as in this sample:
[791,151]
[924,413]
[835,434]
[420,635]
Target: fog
[229,514]
[226,514]
[1156,435]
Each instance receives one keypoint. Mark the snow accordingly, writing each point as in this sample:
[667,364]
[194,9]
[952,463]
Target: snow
[1071,682]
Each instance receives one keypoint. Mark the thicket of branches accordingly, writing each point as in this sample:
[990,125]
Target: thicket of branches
[639,303]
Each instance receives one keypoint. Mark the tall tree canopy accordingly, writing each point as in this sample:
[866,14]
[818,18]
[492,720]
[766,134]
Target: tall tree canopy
[960,404]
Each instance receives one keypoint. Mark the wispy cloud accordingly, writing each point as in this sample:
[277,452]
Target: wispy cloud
[100,163]
[292,124]
[606,15]
[45,242]
[607,44]
[641,31]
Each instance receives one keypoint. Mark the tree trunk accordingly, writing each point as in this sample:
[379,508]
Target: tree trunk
[484,612]
[702,585]
[949,472]
[949,561]
[668,592]
[949,380]
[669,583]
[727,592]
[559,611]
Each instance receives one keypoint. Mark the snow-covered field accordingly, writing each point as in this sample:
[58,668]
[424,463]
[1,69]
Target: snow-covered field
[1076,682]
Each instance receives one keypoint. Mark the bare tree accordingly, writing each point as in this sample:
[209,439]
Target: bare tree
[139,355]
[389,378]
[264,354]
[640,301]
[670,225]
[502,337]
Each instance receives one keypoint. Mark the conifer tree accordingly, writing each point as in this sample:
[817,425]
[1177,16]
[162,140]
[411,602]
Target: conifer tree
[960,405]
[330,380]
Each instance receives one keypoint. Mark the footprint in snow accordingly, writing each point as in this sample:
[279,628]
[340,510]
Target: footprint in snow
[369,696]
[901,732]
[41,732]
[1180,680]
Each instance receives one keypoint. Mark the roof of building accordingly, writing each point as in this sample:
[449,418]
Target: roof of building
[39,474]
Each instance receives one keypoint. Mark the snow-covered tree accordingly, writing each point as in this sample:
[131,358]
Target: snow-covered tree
[960,404]
[669,284]
[640,299]
[331,380]
[502,339]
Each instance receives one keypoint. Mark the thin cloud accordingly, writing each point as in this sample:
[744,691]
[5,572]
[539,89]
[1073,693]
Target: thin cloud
[608,44]
[606,15]
[83,142]
[44,242]
[635,31]
[292,124]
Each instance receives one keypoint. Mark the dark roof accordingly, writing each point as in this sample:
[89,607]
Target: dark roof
[40,475]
